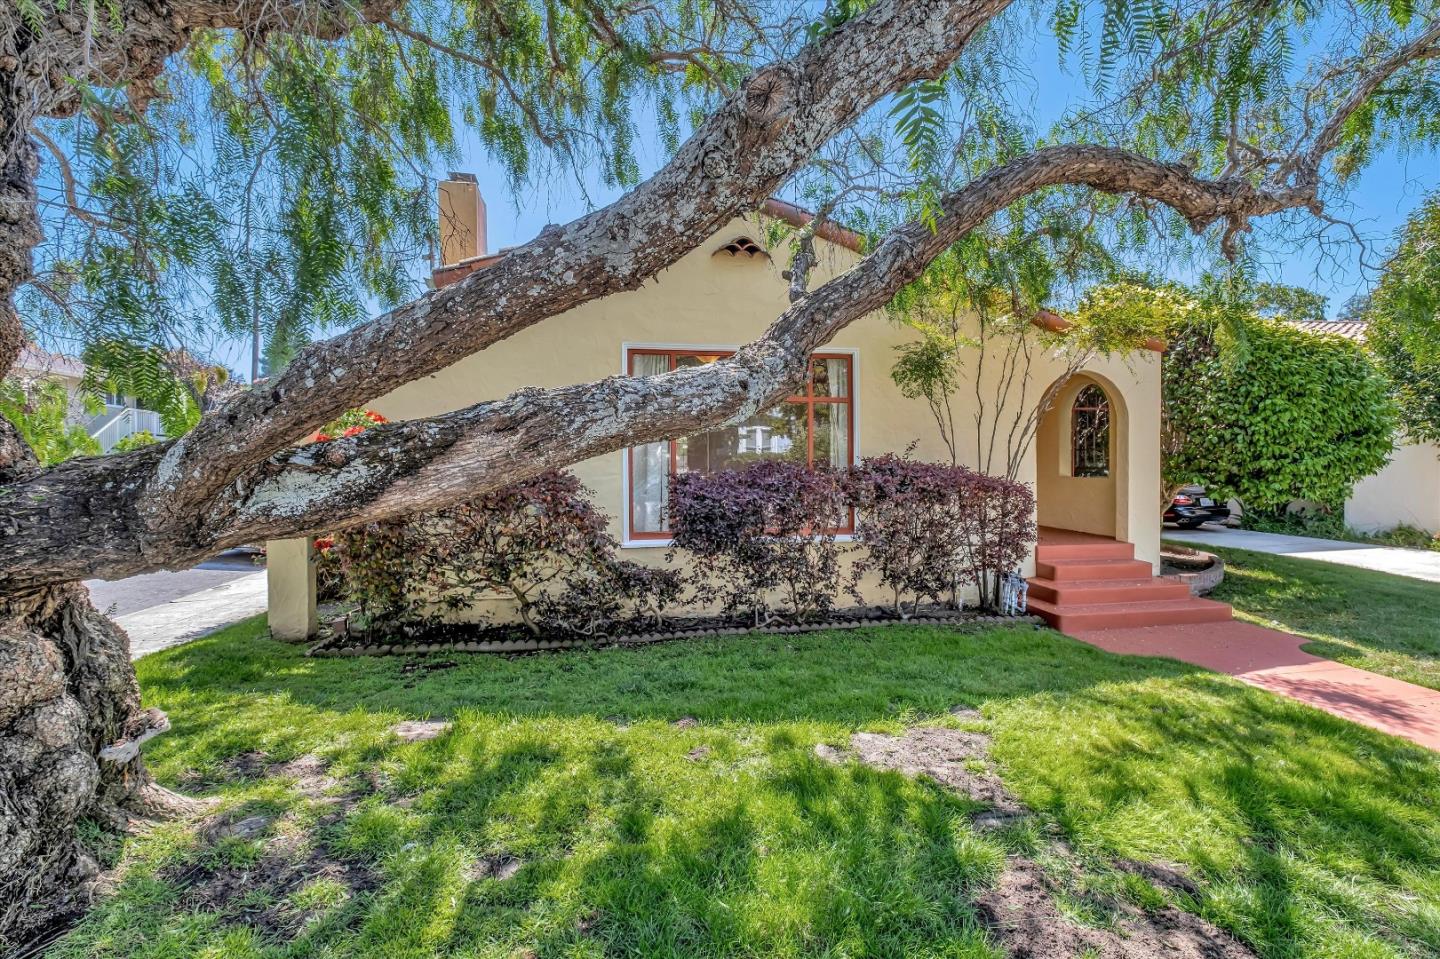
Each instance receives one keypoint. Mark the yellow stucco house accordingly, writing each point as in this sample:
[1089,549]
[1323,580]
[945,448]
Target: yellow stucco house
[725,293]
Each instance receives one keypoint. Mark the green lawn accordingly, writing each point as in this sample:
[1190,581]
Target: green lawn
[1375,621]
[1309,836]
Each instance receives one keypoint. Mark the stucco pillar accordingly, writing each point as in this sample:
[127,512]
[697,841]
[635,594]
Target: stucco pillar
[290,580]
[1141,502]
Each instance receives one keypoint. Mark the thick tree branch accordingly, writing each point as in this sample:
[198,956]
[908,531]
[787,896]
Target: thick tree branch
[79,518]
[494,443]
[1425,46]
[738,157]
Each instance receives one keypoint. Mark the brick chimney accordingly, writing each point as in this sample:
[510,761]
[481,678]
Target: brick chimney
[462,219]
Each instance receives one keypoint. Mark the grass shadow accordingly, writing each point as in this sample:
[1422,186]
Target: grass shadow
[729,837]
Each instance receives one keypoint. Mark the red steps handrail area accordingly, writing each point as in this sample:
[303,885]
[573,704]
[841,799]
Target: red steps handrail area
[1085,582]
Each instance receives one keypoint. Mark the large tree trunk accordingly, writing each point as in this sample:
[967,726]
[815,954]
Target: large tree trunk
[70,728]
[69,697]
[70,700]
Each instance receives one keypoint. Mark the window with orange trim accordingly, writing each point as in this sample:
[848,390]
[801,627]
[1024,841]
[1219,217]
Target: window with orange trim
[817,426]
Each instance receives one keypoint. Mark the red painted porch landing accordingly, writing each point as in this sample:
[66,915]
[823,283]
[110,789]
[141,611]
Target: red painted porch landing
[1093,582]
[1091,588]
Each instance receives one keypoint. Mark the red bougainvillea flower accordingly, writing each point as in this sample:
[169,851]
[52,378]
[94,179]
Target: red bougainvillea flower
[353,431]
[324,544]
[320,438]
[375,417]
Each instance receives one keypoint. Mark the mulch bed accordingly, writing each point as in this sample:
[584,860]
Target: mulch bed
[515,638]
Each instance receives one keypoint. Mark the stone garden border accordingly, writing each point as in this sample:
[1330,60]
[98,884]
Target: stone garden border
[1200,581]
[329,647]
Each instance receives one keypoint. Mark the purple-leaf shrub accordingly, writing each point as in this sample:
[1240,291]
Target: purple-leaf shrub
[521,541]
[539,542]
[997,531]
[758,532]
[928,529]
[598,597]
[906,517]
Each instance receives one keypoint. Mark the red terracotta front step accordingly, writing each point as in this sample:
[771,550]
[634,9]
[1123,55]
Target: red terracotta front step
[1170,612]
[1081,569]
[1091,591]
[1100,549]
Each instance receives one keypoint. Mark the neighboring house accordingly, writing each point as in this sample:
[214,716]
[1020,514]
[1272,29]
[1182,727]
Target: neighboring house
[1407,491]
[725,293]
[118,416]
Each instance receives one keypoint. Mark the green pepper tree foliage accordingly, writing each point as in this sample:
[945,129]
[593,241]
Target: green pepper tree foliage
[40,411]
[1404,323]
[1290,416]
[279,187]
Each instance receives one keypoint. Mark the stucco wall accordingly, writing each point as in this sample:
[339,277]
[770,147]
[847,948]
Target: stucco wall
[1406,491]
[724,301]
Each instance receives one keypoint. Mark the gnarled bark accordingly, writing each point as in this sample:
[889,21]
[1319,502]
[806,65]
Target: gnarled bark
[69,692]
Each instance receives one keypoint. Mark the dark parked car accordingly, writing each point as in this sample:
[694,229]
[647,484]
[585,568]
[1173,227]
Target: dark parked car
[1191,507]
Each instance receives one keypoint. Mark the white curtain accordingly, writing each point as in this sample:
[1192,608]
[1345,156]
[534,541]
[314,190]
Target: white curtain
[649,464]
[839,435]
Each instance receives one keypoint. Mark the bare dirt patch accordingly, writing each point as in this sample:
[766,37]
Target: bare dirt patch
[1023,909]
[420,730]
[501,866]
[1024,917]
[257,892]
[955,758]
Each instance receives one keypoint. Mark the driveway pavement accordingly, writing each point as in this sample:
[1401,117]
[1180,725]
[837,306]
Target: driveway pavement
[1415,563]
[160,610]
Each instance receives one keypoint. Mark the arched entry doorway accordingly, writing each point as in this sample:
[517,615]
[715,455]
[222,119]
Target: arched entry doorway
[1081,468]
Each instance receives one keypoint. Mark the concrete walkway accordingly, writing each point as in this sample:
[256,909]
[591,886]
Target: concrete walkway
[194,615]
[1415,563]
[1273,660]
[120,597]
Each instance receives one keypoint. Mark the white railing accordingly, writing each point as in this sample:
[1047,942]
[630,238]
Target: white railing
[127,421]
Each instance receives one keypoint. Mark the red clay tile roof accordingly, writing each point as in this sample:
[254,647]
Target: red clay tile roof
[445,275]
[798,217]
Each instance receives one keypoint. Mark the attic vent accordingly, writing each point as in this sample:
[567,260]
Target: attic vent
[742,245]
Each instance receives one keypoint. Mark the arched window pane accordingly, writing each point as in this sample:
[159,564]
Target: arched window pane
[1090,433]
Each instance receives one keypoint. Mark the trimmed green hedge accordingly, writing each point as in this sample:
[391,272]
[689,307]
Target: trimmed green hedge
[1290,416]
